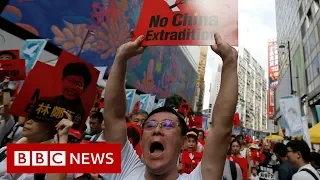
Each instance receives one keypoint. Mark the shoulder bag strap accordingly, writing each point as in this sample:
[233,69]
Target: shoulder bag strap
[233,170]
[311,173]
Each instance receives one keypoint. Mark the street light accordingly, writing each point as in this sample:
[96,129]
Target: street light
[282,46]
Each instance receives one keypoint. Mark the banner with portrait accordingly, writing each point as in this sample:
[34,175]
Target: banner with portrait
[130,93]
[144,101]
[14,69]
[49,91]
[9,54]
[195,122]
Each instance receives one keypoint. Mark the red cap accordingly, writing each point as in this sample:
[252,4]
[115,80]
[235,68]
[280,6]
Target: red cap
[75,133]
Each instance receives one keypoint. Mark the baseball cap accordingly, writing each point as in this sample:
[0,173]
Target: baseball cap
[183,124]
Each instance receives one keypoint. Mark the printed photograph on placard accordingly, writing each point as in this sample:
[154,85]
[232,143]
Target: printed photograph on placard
[187,22]
[49,91]
[9,54]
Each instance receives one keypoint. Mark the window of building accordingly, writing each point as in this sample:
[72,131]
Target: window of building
[304,27]
[308,75]
[315,7]
[300,11]
[306,50]
[312,41]
[315,68]
[309,15]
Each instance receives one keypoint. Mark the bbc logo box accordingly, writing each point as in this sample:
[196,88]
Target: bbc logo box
[64,158]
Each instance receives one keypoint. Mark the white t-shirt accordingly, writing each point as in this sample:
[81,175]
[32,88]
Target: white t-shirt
[303,175]
[244,152]
[133,169]
[99,139]
[17,133]
[5,127]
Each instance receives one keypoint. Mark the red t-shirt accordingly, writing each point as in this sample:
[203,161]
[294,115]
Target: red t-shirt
[243,163]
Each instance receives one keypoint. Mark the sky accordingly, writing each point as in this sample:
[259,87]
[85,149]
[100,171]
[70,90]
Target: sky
[257,25]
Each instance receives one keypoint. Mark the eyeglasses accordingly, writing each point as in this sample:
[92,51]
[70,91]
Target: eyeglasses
[166,124]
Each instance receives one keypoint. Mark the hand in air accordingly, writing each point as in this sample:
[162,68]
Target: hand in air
[224,50]
[131,48]
[64,125]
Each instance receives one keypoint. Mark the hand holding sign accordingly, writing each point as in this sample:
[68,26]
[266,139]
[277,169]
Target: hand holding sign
[224,50]
[130,49]
[64,126]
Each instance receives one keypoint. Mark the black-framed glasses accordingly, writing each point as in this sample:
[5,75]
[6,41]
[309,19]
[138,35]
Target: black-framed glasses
[166,124]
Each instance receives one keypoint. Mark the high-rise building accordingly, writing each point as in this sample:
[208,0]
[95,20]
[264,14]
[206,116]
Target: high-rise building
[201,73]
[252,101]
[298,34]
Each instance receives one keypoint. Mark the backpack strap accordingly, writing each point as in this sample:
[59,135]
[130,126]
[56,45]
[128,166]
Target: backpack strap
[233,170]
[311,173]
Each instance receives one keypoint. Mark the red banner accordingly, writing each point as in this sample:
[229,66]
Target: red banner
[49,91]
[273,74]
[188,22]
[15,69]
[236,119]
[190,160]
[9,54]
[184,109]
[195,121]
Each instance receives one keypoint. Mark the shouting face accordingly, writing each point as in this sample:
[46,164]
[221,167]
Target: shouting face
[72,87]
[161,142]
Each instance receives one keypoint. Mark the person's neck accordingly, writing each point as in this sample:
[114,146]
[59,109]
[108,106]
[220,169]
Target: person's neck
[283,159]
[172,174]
[301,163]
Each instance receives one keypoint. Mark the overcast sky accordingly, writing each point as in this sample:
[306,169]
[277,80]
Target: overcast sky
[257,25]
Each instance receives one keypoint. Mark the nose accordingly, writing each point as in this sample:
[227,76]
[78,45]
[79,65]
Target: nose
[158,130]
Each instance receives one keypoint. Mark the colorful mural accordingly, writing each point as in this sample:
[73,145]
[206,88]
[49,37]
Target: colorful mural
[103,25]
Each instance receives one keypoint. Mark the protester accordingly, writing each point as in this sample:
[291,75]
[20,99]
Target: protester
[315,161]
[231,171]
[299,156]
[286,170]
[96,121]
[7,55]
[237,157]
[37,132]
[138,117]
[14,134]
[201,138]
[164,130]
[254,175]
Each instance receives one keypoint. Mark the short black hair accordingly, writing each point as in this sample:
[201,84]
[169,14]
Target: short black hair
[182,122]
[240,136]
[8,53]
[235,140]
[200,130]
[233,136]
[280,149]
[302,147]
[315,157]
[97,115]
[78,69]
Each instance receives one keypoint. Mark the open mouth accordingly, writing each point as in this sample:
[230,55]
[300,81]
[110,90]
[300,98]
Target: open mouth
[156,147]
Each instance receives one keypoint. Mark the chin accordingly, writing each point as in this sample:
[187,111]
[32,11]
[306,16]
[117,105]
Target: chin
[157,167]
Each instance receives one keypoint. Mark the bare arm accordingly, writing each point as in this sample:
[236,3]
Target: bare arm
[6,99]
[218,139]
[115,98]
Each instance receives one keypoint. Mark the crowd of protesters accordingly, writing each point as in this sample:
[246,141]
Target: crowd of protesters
[160,145]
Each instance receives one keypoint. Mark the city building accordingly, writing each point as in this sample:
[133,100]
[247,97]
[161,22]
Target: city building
[298,32]
[252,101]
[200,80]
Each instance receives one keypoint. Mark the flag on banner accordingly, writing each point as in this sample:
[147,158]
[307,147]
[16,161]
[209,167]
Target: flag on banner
[102,70]
[144,100]
[291,112]
[150,103]
[187,22]
[130,93]
[31,51]
[161,103]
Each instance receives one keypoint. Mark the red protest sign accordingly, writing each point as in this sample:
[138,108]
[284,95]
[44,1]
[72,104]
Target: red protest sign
[48,91]
[134,133]
[9,54]
[195,121]
[184,109]
[14,69]
[188,22]
[190,160]
[236,120]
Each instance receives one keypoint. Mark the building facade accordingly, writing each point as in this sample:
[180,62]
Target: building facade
[298,25]
[252,100]
[200,81]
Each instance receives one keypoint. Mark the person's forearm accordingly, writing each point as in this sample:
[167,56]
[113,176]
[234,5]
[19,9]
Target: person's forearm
[227,98]
[6,104]
[115,97]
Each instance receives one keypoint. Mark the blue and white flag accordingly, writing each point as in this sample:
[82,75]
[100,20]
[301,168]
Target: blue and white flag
[161,103]
[102,70]
[130,93]
[144,101]
[31,51]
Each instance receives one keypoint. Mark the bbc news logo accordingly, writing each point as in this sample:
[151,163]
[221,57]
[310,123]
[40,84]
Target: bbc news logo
[64,158]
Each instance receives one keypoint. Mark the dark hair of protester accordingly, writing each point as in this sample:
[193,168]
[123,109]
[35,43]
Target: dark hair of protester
[280,149]
[315,159]
[235,140]
[238,137]
[97,115]
[233,136]
[302,147]
[200,130]
[78,69]
[8,53]
[194,130]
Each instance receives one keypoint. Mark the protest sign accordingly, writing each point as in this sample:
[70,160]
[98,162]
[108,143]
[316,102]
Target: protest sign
[49,91]
[9,54]
[14,69]
[31,51]
[187,22]
[190,160]
[195,121]
[134,133]
[184,109]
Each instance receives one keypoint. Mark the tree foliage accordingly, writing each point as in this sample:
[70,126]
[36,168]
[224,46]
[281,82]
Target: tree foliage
[174,101]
